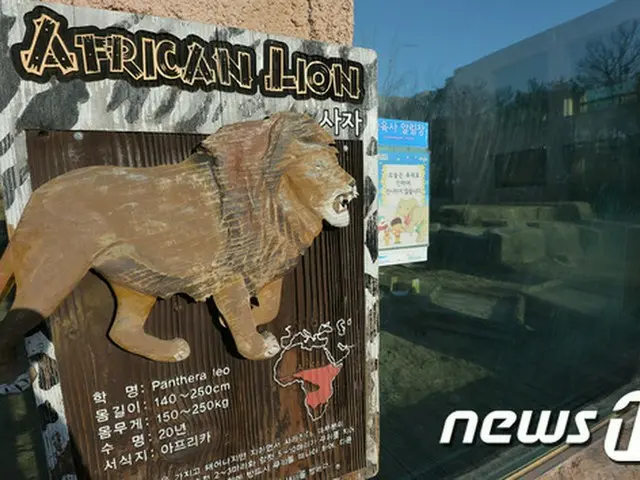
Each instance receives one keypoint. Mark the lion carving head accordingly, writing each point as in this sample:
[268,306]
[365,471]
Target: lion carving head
[288,155]
[312,170]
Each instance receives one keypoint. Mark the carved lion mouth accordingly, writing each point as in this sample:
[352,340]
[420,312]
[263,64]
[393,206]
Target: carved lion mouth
[342,201]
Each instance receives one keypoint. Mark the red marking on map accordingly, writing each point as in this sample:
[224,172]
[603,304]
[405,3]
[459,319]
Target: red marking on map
[322,378]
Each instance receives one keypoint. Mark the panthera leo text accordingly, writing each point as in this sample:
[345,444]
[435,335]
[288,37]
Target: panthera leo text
[178,381]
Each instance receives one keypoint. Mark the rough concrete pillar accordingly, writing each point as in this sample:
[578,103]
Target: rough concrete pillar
[325,20]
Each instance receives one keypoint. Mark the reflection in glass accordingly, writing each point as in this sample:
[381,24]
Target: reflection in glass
[528,297]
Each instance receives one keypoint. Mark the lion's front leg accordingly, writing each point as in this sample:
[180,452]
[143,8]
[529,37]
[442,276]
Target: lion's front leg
[268,303]
[232,301]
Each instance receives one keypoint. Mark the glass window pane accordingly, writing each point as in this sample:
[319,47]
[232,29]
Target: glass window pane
[528,299]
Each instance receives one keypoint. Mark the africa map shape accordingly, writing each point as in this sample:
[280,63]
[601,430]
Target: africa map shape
[316,383]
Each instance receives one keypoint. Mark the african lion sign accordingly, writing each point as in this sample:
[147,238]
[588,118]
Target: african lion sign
[192,248]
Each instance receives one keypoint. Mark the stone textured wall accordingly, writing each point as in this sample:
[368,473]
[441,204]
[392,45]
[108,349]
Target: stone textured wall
[591,463]
[325,20]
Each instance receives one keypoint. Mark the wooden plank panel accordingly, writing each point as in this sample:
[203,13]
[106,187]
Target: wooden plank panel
[241,413]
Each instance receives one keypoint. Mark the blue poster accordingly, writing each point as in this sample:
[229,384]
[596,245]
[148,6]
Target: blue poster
[403,191]
[403,133]
[403,200]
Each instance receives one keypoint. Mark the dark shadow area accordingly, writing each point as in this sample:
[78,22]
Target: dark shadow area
[81,470]
[22,453]
[225,334]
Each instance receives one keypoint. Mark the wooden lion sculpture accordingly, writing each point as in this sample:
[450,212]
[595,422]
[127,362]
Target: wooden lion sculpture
[227,222]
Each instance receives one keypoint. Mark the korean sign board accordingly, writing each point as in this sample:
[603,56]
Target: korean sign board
[196,319]
[403,193]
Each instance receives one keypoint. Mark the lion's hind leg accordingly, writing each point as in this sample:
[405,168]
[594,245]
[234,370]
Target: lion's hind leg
[127,331]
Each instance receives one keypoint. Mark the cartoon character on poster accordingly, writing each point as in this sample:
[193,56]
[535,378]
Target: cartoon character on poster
[404,200]
[384,230]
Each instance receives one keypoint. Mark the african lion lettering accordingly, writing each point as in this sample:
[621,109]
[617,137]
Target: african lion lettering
[227,222]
